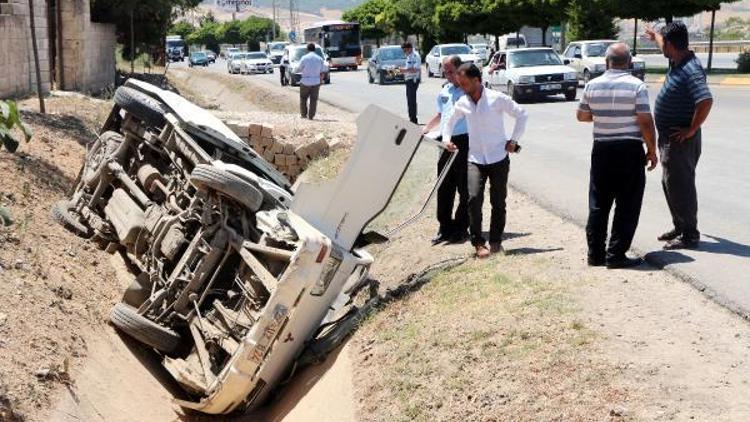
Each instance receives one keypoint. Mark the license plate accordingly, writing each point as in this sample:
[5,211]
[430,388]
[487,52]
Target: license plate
[550,87]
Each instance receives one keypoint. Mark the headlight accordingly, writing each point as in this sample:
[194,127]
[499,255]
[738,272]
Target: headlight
[638,65]
[526,79]
[571,76]
[326,276]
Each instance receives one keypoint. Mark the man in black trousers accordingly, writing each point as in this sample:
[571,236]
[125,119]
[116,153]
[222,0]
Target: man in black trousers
[412,71]
[683,104]
[617,103]
[452,228]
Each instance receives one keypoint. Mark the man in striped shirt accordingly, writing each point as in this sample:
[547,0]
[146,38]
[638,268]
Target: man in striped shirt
[683,104]
[618,105]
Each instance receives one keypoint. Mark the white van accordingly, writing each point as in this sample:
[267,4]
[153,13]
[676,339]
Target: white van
[510,41]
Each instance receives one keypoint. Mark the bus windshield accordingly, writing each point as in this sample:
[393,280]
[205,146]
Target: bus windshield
[348,38]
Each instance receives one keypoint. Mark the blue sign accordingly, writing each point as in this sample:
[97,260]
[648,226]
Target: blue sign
[292,36]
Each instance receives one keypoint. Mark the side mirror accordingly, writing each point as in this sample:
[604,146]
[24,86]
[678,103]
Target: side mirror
[566,61]
[578,56]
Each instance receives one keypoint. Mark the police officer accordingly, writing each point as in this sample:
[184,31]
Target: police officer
[452,229]
[412,75]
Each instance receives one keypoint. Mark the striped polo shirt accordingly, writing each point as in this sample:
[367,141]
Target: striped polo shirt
[614,99]
[684,87]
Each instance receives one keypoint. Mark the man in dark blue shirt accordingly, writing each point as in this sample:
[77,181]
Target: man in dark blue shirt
[681,108]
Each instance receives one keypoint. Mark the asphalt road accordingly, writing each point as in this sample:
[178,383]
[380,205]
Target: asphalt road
[553,168]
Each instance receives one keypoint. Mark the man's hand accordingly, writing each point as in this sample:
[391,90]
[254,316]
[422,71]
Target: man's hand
[651,159]
[450,146]
[650,32]
[681,134]
[510,146]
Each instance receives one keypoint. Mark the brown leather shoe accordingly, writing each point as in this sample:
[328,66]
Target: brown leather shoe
[496,247]
[482,252]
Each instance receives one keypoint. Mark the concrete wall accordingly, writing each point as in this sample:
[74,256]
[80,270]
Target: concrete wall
[88,53]
[17,73]
[88,49]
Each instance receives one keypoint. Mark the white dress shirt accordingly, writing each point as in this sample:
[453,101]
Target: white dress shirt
[484,119]
[413,62]
[310,66]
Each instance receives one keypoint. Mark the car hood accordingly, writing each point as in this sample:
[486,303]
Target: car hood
[469,57]
[397,63]
[258,61]
[541,70]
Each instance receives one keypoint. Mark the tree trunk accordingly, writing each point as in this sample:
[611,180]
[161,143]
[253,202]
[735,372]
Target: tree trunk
[36,58]
[635,37]
[711,41]
[497,42]
[668,19]
[544,36]
[132,44]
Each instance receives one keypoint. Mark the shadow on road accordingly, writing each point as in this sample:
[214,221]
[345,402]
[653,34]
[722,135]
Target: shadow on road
[530,251]
[724,247]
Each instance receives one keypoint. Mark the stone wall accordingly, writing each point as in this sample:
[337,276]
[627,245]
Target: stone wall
[17,72]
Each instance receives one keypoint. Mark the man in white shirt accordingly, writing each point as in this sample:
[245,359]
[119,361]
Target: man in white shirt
[412,71]
[312,67]
[484,109]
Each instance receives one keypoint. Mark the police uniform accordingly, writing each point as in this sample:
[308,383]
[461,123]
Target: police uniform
[413,61]
[455,181]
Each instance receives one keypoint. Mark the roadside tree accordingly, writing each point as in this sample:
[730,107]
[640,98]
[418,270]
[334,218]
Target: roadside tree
[367,15]
[590,19]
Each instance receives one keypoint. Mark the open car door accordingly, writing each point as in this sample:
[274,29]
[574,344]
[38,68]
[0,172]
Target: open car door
[392,163]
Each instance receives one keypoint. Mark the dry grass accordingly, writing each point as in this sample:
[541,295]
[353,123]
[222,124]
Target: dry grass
[496,340]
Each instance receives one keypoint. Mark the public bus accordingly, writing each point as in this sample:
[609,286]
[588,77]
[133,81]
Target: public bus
[340,41]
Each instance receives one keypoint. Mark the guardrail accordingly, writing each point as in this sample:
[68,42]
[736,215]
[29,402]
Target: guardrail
[702,47]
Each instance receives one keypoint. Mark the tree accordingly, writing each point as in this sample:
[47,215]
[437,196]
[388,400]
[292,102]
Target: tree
[255,29]
[153,17]
[590,19]
[500,17]
[655,9]
[454,18]
[366,14]
[182,29]
[231,33]
[543,14]
[209,34]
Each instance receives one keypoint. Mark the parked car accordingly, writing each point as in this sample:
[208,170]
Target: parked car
[229,51]
[234,275]
[434,59]
[290,60]
[256,62]
[198,58]
[587,58]
[234,62]
[385,65]
[211,56]
[482,50]
[275,50]
[530,73]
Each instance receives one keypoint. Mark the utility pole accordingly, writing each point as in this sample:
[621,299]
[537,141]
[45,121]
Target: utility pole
[635,38]
[711,41]
[273,23]
[36,58]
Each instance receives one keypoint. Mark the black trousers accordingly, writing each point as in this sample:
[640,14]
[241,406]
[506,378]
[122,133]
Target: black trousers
[411,99]
[454,182]
[477,176]
[679,161]
[617,176]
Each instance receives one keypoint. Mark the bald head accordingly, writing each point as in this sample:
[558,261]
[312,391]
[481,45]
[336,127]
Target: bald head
[618,56]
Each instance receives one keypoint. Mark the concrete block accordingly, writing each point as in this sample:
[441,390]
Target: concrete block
[291,159]
[255,129]
[288,149]
[279,159]
[267,131]
[266,142]
[268,155]
[277,148]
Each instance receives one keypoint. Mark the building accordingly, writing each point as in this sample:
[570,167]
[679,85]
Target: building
[74,53]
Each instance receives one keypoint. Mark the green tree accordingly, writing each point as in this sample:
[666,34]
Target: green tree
[590,19]
[255,29]
[543,14]
[455,18]
[182,29]
[208,34]
[150,20]
[501,17]
[366,14]
[231,33]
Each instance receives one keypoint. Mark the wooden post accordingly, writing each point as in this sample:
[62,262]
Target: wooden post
[635,37]
[60,61]
[36,58]
[711,41]
[132,42]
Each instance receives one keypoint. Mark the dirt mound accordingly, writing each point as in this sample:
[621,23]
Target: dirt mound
[54,284]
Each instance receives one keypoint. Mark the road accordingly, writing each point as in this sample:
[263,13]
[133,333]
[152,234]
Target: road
[553,169]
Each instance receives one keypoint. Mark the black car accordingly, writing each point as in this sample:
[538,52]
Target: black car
[385,65]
